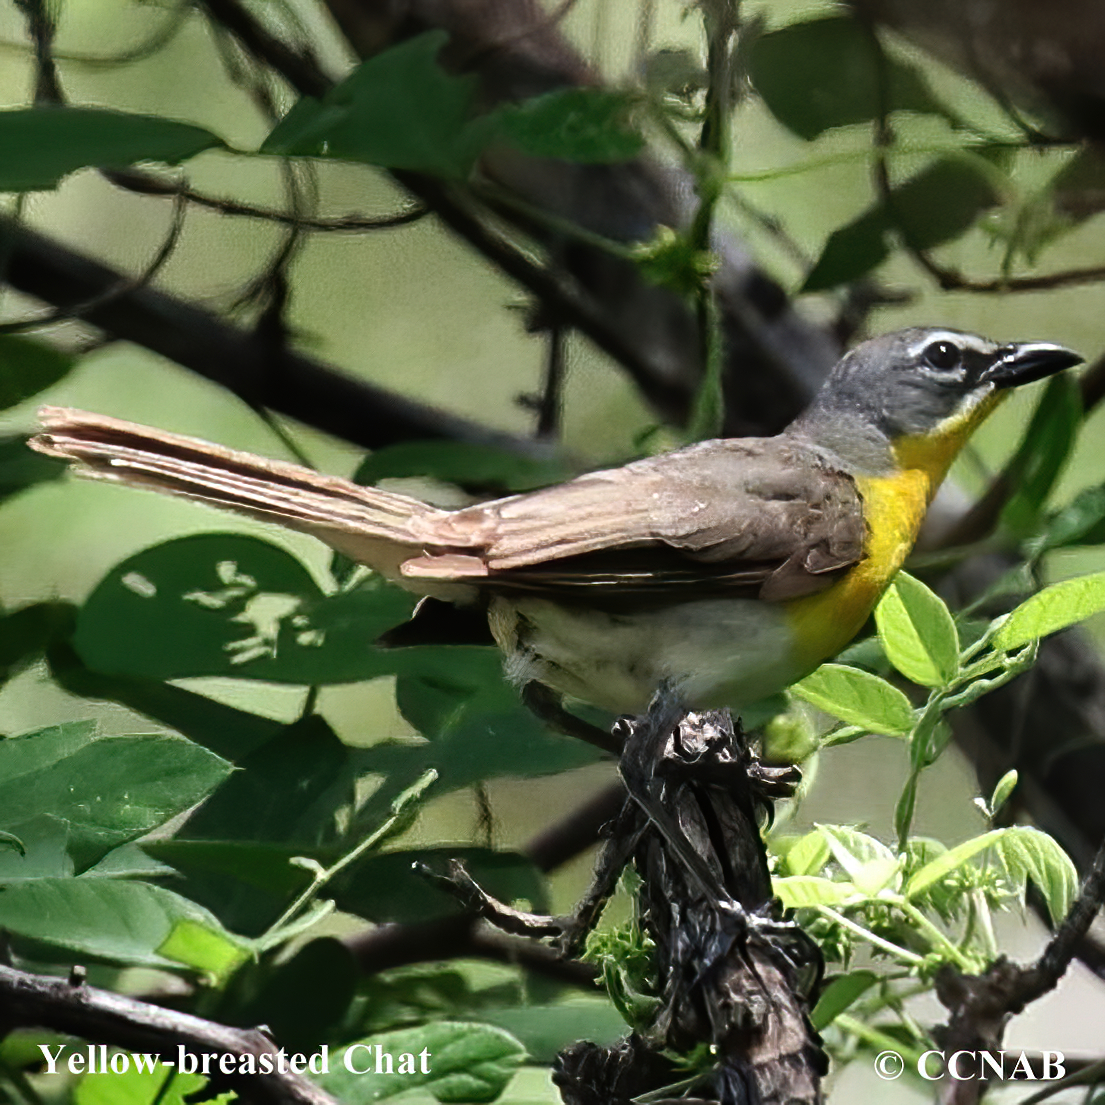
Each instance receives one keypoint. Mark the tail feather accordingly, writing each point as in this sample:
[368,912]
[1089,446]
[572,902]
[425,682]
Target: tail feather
[380,528]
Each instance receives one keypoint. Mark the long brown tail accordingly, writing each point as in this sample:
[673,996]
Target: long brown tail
[376,527]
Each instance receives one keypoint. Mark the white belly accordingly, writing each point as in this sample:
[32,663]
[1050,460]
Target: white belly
[715,652]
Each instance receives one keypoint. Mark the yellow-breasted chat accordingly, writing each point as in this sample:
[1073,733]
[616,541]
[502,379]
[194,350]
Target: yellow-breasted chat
[725,570]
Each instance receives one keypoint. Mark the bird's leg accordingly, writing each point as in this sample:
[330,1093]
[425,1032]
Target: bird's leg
[547,705]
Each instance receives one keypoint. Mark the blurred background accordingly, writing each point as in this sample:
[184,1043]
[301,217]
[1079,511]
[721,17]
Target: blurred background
[418,310]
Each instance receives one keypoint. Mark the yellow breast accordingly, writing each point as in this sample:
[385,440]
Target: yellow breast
[893,507]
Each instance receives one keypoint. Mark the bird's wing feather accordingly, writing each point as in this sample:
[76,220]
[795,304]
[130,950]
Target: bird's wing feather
[772,512]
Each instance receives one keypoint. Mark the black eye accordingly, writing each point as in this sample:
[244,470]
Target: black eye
[943,355]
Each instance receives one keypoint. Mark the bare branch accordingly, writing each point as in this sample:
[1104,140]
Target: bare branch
[103,1017]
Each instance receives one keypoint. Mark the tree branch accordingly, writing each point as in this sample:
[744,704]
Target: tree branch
[103,1017]
[260,372]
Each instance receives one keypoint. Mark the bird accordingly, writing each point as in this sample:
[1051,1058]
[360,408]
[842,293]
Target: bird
[723,571]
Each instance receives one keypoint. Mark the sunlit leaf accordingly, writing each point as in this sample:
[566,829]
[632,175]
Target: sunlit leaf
[806,891]
[947,862]
[1031,855]
[115,920]
[1052,609]
[858,697]
[918,632]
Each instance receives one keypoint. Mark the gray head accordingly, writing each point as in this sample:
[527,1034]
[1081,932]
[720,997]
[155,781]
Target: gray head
[920,382]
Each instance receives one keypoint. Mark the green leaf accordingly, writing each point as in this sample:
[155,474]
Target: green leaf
[806,891]
[21,468]
[286,791]
[107,791]
[827,73]
[1080,522]
[842,992]
[464,463]
[947,862]
[28,367]
[106,919]
[40,145]
[850,252]
[203,948]
[398,110]
[1044,450]
[859,698]
[586,125]
[222,604]
[1004,788]
[929,209]
[467,1063]
[807,854]
[918,632]
[1052,609]
[144,1087]
[1030,855]
[40,849]
[942,201]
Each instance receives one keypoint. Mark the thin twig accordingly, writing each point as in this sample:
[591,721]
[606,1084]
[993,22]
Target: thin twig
[147,184]
[125,285]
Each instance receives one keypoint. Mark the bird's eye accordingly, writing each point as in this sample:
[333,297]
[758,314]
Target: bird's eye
[944,355]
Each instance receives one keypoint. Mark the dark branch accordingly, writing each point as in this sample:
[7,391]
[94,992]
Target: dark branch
[981,1005]
[243,362]
[103,1017]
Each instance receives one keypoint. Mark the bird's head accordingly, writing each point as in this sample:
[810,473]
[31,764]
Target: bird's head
[923,389]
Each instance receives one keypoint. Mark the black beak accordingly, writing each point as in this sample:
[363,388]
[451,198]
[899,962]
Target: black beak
[1026,361]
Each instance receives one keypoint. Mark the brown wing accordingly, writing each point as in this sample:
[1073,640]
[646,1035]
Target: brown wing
[771,513]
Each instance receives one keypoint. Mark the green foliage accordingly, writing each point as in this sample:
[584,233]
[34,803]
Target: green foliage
[41,145]
[858,697]
[918,632]
[931,208]
[828,73]
[28,367]
[624,955]
[471,1063]
[1054,608]
[1044,450]
[402,110]
[399,110]
[219,853]
[586,125]
[144,1087]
